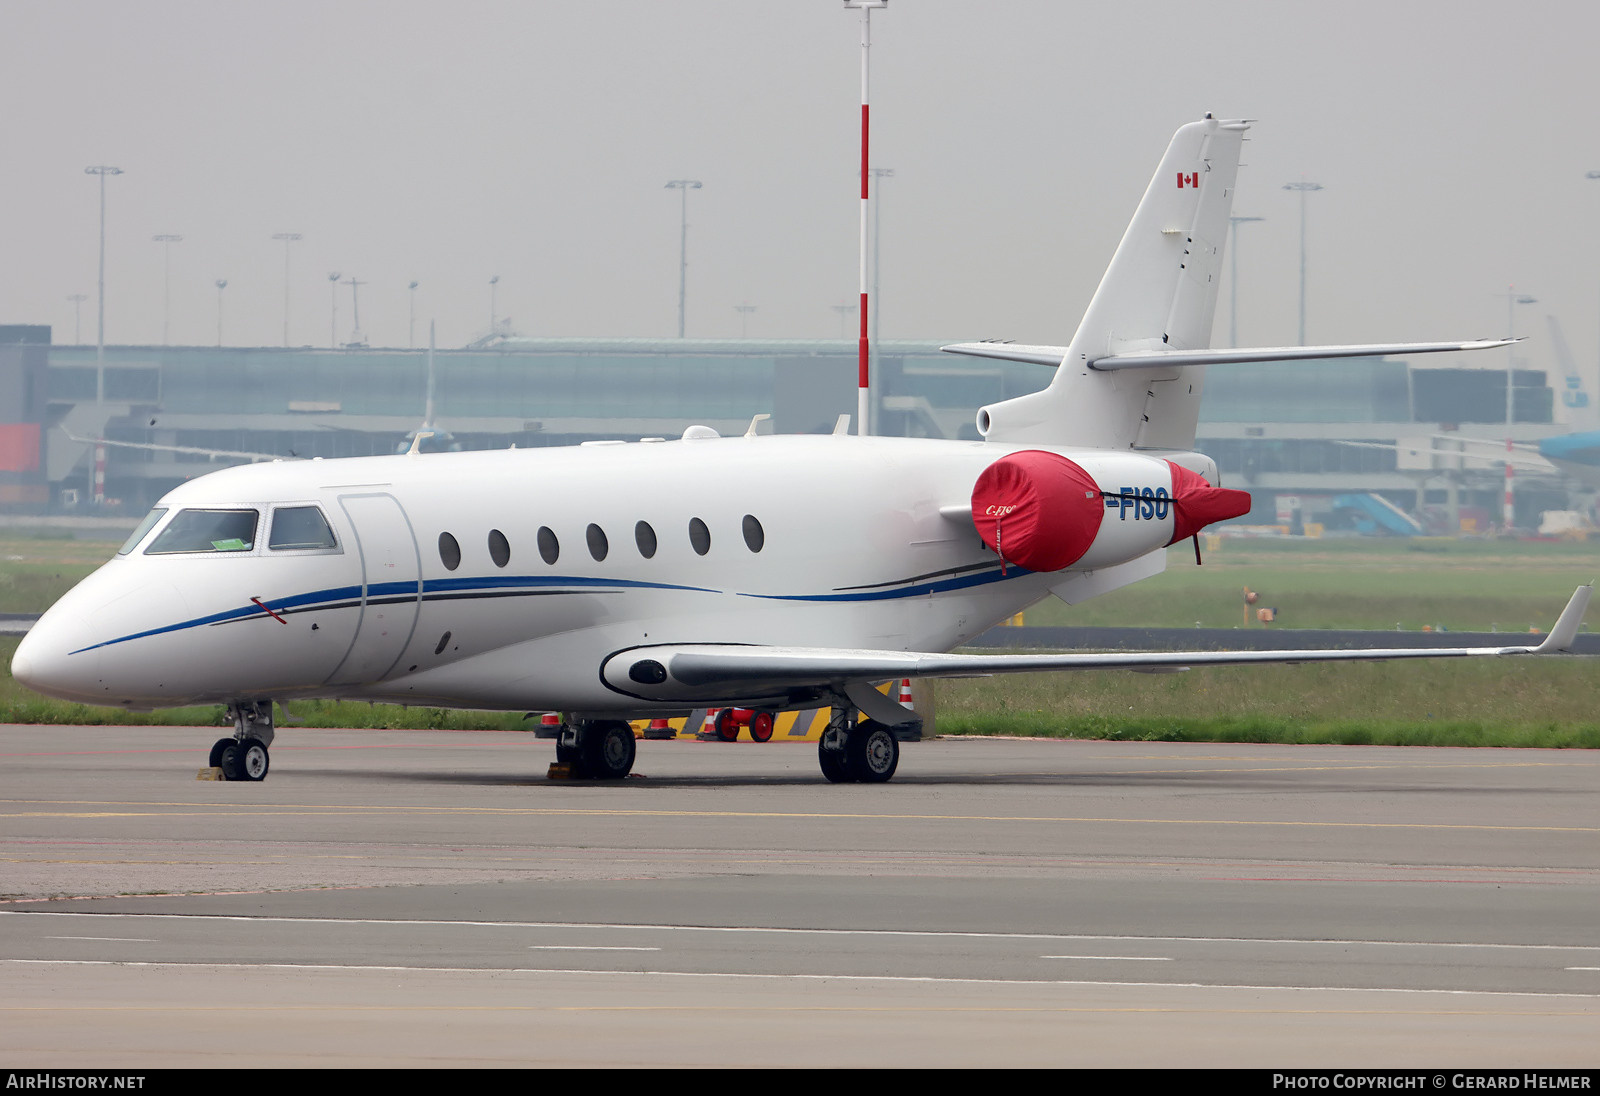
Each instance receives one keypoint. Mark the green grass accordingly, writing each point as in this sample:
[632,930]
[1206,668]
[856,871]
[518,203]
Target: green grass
[1551,702]
[35,571]
[1460,585]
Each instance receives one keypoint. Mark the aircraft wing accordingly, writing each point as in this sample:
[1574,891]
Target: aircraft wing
[756,675]
[214,453]
[1493,455]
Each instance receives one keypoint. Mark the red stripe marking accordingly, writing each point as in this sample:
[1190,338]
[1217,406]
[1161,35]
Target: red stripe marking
[864,150]
[268,611]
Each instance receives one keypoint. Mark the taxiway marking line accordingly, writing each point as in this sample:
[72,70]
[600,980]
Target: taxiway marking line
[1118,958]
[913,979]
[332,810]
[743,1010]
[925,933]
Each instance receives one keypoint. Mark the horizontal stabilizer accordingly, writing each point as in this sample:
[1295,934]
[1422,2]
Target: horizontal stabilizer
[1010,352]
[1162,359]
[1166,359]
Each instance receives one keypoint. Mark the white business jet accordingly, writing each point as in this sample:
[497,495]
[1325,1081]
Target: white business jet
[612,581]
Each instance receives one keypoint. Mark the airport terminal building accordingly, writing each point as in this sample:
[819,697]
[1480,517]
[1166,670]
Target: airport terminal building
[1278,430]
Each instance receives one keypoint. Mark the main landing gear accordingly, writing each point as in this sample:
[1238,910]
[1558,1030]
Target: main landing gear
[244,756]
[866,752]
[596,749]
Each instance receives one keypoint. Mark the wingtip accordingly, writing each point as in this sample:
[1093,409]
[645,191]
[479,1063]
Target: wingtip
[1566,627]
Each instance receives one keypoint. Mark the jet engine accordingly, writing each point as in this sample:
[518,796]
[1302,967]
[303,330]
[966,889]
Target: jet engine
[1048,512]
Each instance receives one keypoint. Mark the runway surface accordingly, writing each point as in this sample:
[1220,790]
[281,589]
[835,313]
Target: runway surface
[428,898]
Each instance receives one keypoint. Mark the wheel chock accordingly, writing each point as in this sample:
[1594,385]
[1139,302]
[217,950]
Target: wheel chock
[559,770]
[213,772]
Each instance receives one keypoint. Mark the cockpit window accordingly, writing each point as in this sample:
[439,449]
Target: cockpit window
[145,526]
[207,531]
[299,527]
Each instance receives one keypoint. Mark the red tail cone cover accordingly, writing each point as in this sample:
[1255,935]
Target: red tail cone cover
[1037,509]
[1196,504]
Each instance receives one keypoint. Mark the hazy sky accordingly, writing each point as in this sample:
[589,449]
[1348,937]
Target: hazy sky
[532,139]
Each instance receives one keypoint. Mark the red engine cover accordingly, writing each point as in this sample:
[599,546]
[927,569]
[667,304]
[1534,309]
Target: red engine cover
[1037,509]
[1196,504]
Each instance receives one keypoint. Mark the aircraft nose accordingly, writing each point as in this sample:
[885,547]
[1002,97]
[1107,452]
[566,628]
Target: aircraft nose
[46,663]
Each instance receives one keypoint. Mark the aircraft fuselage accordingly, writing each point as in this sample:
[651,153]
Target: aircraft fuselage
[504,579]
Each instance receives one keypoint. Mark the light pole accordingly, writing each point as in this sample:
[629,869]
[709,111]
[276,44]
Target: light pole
[1304,188]
[101,170]
[744,311]
[1592,175]
[879,173]
[166,240]
[494,313]
[222,283]
[356,337]
[287,238]
[1513,298]
[77,300]
[683,186]
[1233,293]
[333,310]
[411,337]
[863,353]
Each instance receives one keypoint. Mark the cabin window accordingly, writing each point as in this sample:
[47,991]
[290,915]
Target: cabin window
[699,536]
[598,546]
[139,534]
[499,548]
[645,537]
[549,546]
[207,531]
[754,536]
[449,551]
[299,527]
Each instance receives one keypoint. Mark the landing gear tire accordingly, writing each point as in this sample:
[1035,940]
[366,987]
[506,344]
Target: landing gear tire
[872,752]
[229,760]
[834,764]
[761,725]
[244,756]
[569,749]
[607,749]
[726,726]
[253,759]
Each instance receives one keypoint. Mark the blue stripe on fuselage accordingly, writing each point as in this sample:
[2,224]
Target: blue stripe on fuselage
[488,588]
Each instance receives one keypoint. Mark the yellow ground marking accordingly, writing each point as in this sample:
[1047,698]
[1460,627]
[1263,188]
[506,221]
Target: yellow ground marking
[746,1009]
[188,810]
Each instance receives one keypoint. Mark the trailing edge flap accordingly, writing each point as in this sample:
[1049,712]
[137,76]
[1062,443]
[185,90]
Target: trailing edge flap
[674,672]
[1166,359]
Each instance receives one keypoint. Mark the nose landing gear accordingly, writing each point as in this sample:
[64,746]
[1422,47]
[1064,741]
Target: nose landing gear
[245,756]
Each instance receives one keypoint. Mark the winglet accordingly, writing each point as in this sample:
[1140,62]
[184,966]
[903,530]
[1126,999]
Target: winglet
[1566,626]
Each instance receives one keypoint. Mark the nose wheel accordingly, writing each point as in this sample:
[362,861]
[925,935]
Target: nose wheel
[245,755]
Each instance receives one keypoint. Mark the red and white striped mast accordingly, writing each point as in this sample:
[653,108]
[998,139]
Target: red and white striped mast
[863,378]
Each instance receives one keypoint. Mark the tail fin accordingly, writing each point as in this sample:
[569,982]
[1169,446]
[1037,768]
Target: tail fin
[1579,404]
[1159,293]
